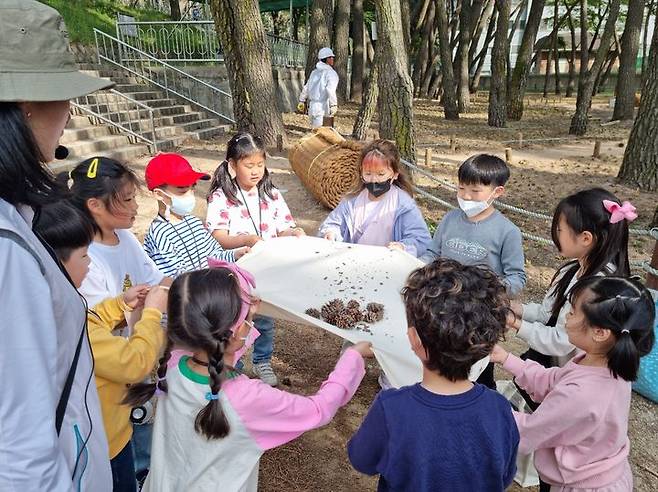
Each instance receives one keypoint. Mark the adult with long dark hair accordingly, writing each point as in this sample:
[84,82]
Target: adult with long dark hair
[52,432]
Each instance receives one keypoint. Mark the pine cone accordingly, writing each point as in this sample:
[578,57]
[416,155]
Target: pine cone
[313,313]
[375,307]
[331,309]
[345,320]
[353,305]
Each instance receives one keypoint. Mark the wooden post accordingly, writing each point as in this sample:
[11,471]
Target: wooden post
[428,157]
[652,280]
[279,142]
[508,155]
[597,149]
[453,144]
[520,140]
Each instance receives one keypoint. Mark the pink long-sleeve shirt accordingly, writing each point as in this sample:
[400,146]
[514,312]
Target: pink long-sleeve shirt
[580,432]
[260,418]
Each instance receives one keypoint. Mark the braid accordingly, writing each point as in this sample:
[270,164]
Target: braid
[211,420]
[140,393]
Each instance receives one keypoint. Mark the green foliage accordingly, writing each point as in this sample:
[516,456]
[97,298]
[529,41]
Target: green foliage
[431,225]
[82,16]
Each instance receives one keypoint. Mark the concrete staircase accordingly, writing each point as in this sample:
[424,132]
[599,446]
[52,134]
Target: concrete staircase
[175,121]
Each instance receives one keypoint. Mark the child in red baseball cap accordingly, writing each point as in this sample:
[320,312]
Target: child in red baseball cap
[177,241]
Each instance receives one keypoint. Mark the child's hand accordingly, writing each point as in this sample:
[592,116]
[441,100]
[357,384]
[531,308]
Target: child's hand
[396,245]
[240,252]
[134,297]
[298,232]
[157,298]
[253,308]
[499,354]
[513,322]
[330,236]
[517,307]
[364,348]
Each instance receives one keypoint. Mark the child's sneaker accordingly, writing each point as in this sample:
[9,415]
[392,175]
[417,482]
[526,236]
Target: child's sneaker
[265,373]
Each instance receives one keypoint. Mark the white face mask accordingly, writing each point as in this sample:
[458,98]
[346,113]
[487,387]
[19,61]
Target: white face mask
[181,205]
[474,207]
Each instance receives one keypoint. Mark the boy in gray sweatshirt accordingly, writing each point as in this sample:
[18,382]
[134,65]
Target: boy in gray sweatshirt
[477,233]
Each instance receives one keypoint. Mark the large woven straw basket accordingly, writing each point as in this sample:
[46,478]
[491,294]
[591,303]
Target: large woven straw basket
[327,164]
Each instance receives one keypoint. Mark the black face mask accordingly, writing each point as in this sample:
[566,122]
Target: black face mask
[378,189]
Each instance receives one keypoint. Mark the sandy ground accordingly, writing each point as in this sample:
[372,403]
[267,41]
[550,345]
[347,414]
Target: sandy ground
[542,172]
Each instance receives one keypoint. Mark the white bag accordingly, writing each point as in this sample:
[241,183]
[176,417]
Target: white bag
[526,473]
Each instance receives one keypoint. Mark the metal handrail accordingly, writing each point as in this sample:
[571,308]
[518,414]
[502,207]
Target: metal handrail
[145,57]
[87,106]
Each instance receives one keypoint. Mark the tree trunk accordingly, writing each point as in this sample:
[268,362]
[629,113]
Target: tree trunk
[646,34]
[358,51]
[491,33]
[395,87]
[405,15]
[626,77]
[484,20]
[572,60]
[556,52]
[449,97]
[174,9]
[463,93]
[498,87]
[368,105]
[654,221]
[586,84]
[549,59]
[321,20]
[249,67]
[640,165]
[519,80]
[296,18]
[342,46]
[423,57]
[510,36]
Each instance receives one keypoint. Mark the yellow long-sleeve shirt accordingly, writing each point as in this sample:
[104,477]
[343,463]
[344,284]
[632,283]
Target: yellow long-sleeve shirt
[121,361]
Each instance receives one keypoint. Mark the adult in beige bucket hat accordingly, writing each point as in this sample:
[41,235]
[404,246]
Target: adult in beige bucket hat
[52,434]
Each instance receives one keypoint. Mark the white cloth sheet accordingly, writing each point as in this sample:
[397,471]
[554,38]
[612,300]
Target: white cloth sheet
[294,274]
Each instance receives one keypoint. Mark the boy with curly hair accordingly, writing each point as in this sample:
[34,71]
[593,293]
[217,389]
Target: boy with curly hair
[444,433]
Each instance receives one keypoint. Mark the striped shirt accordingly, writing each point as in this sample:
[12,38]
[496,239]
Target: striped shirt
[182,247]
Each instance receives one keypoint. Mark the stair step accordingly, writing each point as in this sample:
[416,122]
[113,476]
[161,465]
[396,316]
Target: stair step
[72,135]
[171,142]
[128,88]
[200,124]
[208,133]
[83,147]
[144,95]
[122,154]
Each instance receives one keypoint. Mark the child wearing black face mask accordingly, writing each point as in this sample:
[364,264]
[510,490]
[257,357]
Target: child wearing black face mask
[381,212]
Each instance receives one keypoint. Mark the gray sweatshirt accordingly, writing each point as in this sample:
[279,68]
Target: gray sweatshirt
[494,241]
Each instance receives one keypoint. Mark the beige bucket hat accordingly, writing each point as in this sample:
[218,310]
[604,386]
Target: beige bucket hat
[36,63]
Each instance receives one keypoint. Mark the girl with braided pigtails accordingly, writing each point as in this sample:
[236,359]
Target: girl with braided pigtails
[212,424]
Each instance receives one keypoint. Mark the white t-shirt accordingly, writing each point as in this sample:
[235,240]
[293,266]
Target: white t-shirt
[114,269]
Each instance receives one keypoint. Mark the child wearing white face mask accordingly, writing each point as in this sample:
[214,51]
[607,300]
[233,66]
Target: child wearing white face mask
[477,233]
[177,241]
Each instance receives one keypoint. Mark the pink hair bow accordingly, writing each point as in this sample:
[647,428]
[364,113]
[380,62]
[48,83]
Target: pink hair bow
[246,282]
[620,212]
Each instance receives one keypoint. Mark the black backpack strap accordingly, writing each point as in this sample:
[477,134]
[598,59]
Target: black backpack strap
[68,384]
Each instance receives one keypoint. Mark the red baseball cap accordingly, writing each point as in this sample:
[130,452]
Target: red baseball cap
[172,170]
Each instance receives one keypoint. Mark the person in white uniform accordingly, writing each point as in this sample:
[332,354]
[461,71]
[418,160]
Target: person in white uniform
[319,93]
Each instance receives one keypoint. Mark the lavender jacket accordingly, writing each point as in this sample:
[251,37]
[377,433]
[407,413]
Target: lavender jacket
[409,227]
